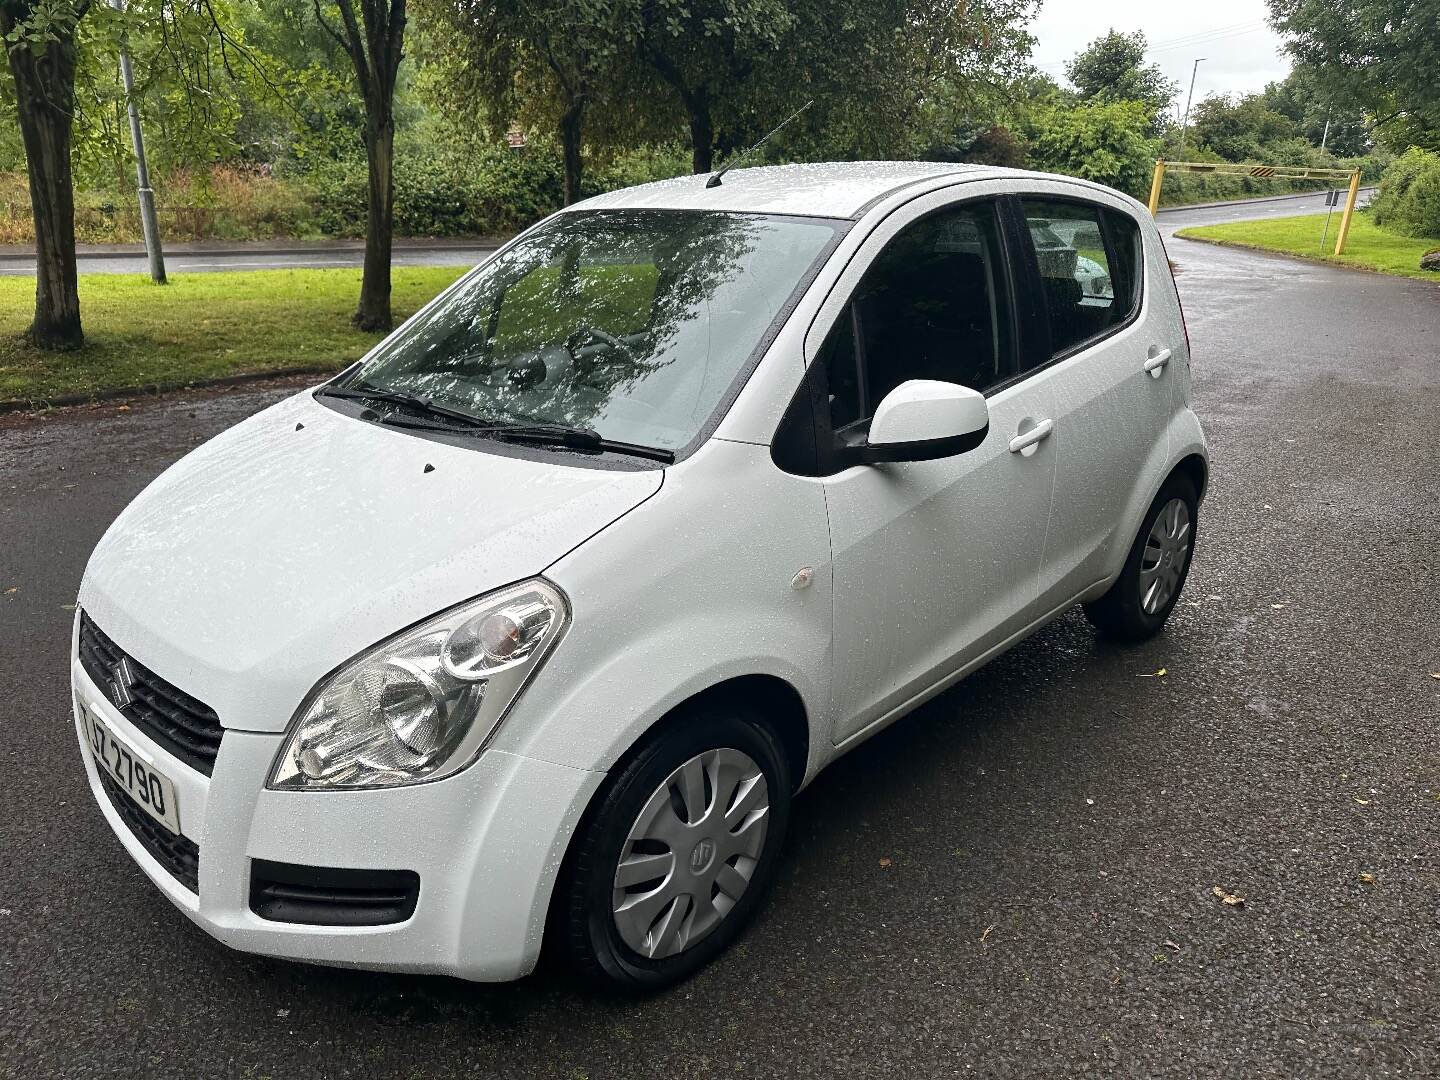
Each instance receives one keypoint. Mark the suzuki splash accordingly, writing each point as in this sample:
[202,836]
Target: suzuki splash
[529,626]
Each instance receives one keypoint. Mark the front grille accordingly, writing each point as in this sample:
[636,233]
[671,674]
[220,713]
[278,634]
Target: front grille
[179,855]
[185,727]
[330,896]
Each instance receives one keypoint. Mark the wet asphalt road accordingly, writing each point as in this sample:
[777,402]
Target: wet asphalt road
[1015,881]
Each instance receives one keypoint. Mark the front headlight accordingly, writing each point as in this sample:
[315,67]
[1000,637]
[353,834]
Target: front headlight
[423,704]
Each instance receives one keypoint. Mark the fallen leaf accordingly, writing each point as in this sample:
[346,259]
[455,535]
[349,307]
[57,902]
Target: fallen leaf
[122,408]
[12,589]
[986,934]
[282,1013]
[1435,674]
[1367,879]
[884,864]
[1229,899]
[1362,802]
[1173,945]
[1156,675]
[1277,607]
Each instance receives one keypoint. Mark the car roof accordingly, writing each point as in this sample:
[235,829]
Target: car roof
[836,189]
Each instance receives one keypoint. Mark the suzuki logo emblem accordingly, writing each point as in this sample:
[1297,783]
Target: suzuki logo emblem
[122,678]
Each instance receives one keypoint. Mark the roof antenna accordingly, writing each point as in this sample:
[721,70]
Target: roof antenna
[714,180]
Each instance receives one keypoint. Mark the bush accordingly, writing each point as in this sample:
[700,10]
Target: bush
[1409,197]
[1107,142]
[223,202]
[483,192]
[464,190]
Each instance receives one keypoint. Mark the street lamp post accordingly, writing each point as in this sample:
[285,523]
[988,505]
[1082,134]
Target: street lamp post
[1185,124]
[149,226]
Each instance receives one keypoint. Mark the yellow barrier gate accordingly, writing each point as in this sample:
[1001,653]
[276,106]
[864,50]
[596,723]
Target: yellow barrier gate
[1268,172]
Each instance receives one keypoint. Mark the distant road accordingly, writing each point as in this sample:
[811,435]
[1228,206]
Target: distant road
[264,255]
[1181,217]
[272,255]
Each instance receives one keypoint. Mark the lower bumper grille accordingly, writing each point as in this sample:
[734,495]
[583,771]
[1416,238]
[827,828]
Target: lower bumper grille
[327,896]
[179,855]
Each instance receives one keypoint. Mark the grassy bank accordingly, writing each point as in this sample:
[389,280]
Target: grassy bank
[1368,248]
[200,326]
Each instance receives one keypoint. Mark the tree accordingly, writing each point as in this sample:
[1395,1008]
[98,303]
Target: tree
[705,51]
[960,60]
[547,63]
[1382,55]
[1319,116]
[306,106]
[374,44]
[1239,129]
[41,48]
[1112,68]
[54,46]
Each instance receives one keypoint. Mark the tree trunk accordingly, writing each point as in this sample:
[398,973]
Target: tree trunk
[697,110]
[45,100]
[373,312]
[702,129]
[570,125]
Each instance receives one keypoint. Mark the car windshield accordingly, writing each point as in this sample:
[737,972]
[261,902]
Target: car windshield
[633,323]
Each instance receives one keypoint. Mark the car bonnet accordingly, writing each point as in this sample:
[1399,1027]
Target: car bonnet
[302,536]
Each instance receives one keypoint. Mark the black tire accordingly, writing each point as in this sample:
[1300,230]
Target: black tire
[582,912]
[1119,614]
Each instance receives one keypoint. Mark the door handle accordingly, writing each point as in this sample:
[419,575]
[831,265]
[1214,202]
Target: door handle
[1036,434]
[1153,364]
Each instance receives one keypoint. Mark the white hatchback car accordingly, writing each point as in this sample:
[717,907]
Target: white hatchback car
[532,622]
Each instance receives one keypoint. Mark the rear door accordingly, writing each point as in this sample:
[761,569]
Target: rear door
[1109,376]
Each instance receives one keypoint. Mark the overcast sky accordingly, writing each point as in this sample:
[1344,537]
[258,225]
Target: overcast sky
[1242,53]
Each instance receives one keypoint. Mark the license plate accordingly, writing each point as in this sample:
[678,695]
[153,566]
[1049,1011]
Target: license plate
[150,789]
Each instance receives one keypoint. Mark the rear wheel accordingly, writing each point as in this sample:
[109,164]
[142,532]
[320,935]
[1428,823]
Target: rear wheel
[1142,597]
[678,853]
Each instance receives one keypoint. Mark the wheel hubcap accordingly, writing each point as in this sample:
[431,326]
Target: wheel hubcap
[1166,550]
[691,853]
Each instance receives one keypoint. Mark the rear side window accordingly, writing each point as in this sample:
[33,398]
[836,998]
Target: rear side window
[1089,262]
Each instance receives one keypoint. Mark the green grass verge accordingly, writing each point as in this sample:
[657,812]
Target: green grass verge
[1369,247]
[200,326]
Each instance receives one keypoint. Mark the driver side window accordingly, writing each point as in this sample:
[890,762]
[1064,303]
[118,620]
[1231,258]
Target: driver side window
[932,305]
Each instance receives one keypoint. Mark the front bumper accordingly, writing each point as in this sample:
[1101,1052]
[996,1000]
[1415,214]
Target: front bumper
[486,843]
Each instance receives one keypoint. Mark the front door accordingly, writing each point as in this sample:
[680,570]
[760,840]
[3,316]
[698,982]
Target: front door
[935,562]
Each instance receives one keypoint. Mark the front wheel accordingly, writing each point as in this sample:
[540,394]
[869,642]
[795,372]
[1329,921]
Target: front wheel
[678,853]
[1142,597]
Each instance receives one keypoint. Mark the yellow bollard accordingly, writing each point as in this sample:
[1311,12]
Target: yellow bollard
[1344,233]
[1155,185]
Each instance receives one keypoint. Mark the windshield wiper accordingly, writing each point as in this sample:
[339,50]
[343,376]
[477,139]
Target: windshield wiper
[572,438]
[370,392]
[575,438]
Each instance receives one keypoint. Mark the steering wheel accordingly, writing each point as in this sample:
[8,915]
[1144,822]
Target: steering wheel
[593,333]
